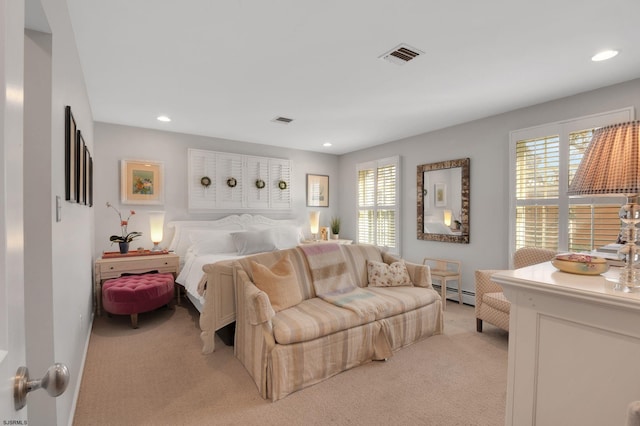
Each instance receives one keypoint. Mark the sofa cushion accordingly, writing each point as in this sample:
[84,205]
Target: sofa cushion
[397,300]
[497,301]
[314,318]
[383,275]
[311,319]
[280,282]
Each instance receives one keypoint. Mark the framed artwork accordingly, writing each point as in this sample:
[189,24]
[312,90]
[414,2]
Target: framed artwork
[70,160]
[141,182]
[90,179]
[324,233]
[317,190]
[87,177]
[440,195]
[82,174]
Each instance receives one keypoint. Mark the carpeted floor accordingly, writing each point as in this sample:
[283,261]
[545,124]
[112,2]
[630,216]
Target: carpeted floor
[156,375]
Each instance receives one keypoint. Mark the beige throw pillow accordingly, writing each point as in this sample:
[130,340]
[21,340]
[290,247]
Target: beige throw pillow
[279,282]
[383,275]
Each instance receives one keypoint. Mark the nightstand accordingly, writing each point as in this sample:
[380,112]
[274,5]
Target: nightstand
[340,241]
[113,267]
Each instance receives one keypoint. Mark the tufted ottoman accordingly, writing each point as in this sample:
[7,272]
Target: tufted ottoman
[133,294]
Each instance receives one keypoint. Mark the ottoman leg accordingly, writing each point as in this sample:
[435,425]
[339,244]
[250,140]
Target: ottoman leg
[134,320]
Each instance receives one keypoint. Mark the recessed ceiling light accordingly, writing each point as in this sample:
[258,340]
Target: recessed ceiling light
[604,55]
[327,144]
[163,118]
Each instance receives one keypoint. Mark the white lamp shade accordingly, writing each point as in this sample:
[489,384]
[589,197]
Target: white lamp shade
[156,224]
[447,217]
[314,222]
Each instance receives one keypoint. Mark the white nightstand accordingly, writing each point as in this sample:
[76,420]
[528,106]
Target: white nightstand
[113,267]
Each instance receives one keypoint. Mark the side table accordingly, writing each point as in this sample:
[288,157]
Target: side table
[339,241]
[113,267]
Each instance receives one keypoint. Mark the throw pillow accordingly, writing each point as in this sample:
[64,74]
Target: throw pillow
[251,242]
[280,282]
[383,275]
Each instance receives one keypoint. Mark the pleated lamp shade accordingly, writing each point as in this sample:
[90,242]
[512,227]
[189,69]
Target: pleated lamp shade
[611,163]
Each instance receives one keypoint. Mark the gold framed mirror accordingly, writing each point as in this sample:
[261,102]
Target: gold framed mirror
[443,201]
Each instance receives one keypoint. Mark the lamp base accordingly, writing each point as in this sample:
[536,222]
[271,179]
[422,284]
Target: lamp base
[156,247]
[630,274]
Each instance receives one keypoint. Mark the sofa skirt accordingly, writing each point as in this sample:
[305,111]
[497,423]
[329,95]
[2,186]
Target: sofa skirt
[299,365]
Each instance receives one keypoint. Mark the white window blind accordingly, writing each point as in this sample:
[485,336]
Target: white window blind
[543,160]
[378,203]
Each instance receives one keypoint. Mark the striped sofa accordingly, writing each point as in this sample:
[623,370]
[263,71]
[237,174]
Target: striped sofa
[314,340]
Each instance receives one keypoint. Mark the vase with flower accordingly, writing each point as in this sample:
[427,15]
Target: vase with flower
[125,237]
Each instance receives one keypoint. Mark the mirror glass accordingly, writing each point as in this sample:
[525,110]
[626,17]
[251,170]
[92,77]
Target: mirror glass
[443,201]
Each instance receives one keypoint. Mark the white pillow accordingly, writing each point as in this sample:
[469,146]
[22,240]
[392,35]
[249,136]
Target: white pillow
[181,242]
[211,241]
[287,236]
[250,242]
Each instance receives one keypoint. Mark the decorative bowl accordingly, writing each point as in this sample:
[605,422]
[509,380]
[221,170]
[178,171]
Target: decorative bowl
[582,264]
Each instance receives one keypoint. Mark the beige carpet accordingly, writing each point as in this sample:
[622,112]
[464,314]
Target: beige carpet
[156,375]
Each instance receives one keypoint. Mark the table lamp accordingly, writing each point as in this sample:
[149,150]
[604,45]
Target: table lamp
[156,223]
[611,167]
[447,217]
[314,223]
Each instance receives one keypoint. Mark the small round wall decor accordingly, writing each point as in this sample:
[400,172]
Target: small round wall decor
[282,185]
[260,184]
[232,182]
[205,181]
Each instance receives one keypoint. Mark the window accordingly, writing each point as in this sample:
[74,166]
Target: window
[543,161]
[378,203]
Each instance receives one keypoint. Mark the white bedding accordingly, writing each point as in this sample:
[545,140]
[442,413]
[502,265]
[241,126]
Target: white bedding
[192,273]
[199,243]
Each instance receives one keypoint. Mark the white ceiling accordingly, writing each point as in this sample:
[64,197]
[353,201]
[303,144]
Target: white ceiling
[227,68]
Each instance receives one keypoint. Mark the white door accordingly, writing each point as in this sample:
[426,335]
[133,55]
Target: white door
[12,328]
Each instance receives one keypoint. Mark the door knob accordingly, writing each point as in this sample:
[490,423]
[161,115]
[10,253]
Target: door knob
[55,382]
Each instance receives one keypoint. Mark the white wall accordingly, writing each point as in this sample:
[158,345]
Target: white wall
[60,300]
[485,142]
[116,142]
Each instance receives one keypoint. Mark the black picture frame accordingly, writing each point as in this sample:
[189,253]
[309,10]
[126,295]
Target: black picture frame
[85,178]
[81,169]
[90,169]
[71,157]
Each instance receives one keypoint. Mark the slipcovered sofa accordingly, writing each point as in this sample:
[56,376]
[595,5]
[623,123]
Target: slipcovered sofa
[326,308]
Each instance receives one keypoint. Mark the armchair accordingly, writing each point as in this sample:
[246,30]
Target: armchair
[491,304]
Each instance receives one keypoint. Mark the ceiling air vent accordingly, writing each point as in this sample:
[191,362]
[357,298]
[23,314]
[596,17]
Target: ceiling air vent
[283,120]
[401,54]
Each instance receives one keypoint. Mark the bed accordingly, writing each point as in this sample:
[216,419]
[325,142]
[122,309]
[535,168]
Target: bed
[203,243]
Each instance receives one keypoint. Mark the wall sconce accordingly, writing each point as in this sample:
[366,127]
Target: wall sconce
[447,217]
[314,224]
[156,224]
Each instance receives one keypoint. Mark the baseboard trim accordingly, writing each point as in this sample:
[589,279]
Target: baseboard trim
[76,394]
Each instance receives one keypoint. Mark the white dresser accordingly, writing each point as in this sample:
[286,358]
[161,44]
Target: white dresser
[574,348]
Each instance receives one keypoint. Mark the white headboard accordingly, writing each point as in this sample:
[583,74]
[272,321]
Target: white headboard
[181,241]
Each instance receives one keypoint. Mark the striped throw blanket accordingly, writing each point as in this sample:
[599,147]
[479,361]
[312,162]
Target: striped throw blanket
[332,281]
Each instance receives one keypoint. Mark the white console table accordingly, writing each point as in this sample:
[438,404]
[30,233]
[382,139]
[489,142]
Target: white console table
[574,348]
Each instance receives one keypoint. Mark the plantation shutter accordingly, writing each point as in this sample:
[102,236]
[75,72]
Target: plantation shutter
[378,203]
[591,225]
[537,188]
[544,160]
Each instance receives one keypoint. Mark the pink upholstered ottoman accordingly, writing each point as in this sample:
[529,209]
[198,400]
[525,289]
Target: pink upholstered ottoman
[133,294]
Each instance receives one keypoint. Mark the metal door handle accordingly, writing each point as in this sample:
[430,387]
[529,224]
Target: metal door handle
[55,382]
